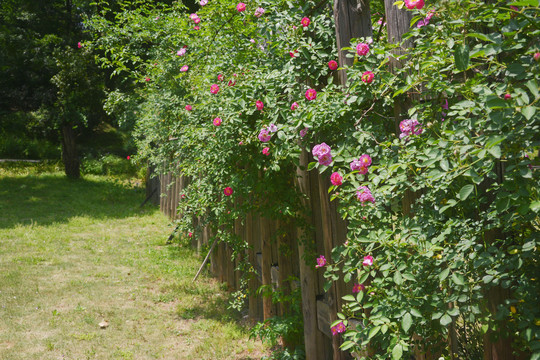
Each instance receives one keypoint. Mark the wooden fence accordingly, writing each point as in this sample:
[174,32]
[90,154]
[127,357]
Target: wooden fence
[277,251]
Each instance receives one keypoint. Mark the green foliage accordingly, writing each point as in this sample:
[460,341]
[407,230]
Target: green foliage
[469,231]
[109,165]
[284,333]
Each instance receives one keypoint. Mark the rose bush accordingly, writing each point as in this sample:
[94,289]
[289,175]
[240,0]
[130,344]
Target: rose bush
[460,152]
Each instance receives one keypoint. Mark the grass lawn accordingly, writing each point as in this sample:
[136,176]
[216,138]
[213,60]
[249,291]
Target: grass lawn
[74,254]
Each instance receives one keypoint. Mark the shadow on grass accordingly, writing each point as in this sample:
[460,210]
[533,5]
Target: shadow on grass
[53,198]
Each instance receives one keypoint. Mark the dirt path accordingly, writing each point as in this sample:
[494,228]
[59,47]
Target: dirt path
[61,276]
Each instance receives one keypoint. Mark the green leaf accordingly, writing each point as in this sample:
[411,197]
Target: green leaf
[445,320]
[397,352]
[533,87]
[444,274]
[311,165]
[363,278]
[406,322]
[529,246]
[480,36]
[458,279]
[528,112]
[461,57]
[348,298]
[495,151]
[397,278]
[494,140]
[533,3]
[374,331]
[465,191]
[327,285]
[347,345]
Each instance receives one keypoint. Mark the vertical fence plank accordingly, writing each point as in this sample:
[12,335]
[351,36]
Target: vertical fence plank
[314,340]
[284,263]
[328,236]
[253,282]
[266,267]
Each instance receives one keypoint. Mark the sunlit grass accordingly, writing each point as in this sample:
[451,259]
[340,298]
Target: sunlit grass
[76,253]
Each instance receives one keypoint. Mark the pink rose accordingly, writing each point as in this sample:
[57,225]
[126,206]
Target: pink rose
[217,121]
[220,77]
[79,45]
[536,56]
[357,288]
[264,135]
[332,65]
[409,127]
[147,79]
[368,260]
[336,179]
[338,329]
[305,22]
[197,20]
[181,52]
[321,149]
[294,106]
[367,77]
[231,83]
[325,160]
[303,132]
[355,165]
[365,160]
[507,96]
[228,191]
[321,261]
[364,195]
[259,104]
[188,107]
[362,49]
[272,127]
[190,234]
[184,68]
[266,151]
[196,27]
[363,170]
[241,7]
[311,94]
[193,16]
[259,12]
[214,88]
[411,4]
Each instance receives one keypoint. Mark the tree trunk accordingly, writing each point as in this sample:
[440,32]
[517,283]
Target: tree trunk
[69,152]
[353,20]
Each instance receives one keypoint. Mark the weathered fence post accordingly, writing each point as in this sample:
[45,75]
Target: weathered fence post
[334,294]
[313,338]
[266,268]
[353,20]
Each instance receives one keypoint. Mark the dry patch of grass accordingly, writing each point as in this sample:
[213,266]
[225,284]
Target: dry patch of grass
[75,254]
